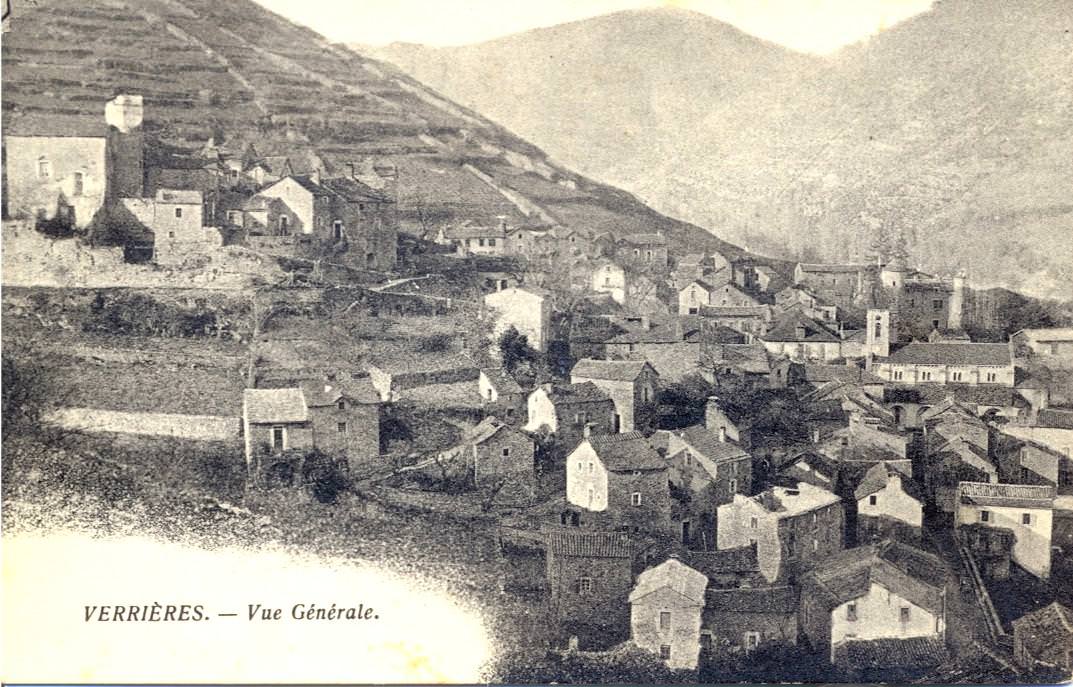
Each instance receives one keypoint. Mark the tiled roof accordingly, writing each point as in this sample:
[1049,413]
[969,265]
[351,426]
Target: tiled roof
[674,574]
[831,268]
[751,358]
[1013,495]
[817,462]
[706,442]
[1044,629]
[179,196]
[483,431]
[274,405]
[586,392]
[306,182]
[571,542]
[877,476]
[645,239]
[472,231]
[741,559]
[354,191]
[322,393]
[762,311]
[403,362]
[1055,418]
[657,332]
[613,370]
[55,125]
[817,373]
[913,574]
[626,452]
[951,354]
[790,501]
[912,652]
[797,327]
[503,382]
[779,600]
[1050,334]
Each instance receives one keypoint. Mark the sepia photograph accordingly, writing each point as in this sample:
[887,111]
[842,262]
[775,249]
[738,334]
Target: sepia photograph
[546,341]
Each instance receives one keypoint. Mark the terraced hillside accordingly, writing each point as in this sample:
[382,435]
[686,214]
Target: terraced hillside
[234,71]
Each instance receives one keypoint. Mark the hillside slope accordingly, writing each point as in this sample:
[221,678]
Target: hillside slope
[605,95]
[235,71]
[955,127]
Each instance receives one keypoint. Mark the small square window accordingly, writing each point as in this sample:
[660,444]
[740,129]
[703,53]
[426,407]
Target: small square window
[664,620]
[178,212]
[341,427]
[665,651]
[584,585]
[851,612]
[872,500]
[1026,518]
[341,405]
[903,614]
[635,498]
[985,516]
[506,453]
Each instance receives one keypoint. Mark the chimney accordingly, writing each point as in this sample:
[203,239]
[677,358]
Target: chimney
[816,435]
[646,323]
[315,175]
[124,112]
[350,170]
[722,434]
[587,431]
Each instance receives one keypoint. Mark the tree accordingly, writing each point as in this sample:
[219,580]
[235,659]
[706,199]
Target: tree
[323,476]
[514,349]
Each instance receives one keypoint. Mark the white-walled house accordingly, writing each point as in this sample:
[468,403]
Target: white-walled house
[525,308]
[621,476]
[874,600]
[666,605]
[889,503]
[1027,510]
[948,363]
[610,278]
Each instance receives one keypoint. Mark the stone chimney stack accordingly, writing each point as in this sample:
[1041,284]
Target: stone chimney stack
[722,434]
[646,323]
[124,112]
[587,431]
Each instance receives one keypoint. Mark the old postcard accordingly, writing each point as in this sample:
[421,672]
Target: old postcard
[570,341]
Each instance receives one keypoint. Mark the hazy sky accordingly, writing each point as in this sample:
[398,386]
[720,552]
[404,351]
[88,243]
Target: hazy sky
[818,26]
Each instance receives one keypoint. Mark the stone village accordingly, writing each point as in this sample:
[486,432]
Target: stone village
[704,454]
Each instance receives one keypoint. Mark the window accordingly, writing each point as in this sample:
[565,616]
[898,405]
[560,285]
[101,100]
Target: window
[1026,518]
[955,376]
[44,169]
[903,614]
[284,225]
[279,438]
[178,213]
[337,229]
[592,495]
[644,394]
[872,500]
[635,498]
[935,324]
[925,376]
[733,486]
[751,640]
[879,329]
[171,234]
[492,242]
[705,640]
[991,377]
[480,242]
[505,452]
[688,458]
[664,620]
[592,467]
[851,612]
[937,304]
[665,651]
[752,523]
[985,516]
[80,179]
[584,585]
[898,376]
[341,405]
[341,427]
[234,174]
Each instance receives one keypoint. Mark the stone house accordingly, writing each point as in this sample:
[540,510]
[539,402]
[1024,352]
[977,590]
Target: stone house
[275,421]
[813,468]
[471,239]
[611,279]
[890,505]
[754,321]
[859,604]
[1053,427]
[1026,510]
[1053,345]
[672,347]
[1044,639]
[62,171]
[392,374]
[589,577]
[500,394]
[840,284]
[722,293]
[1023,461]
[498,456]
[177,222]
[801,337]
[566,410]
[622,477]
[633,385]
[948,363]
[727,422]
[748,363]
[644,250]
[959,460]
[525,308]
[339,210]
[748,617]
[792,527]
[666,608]
[345,417]
[711,469]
